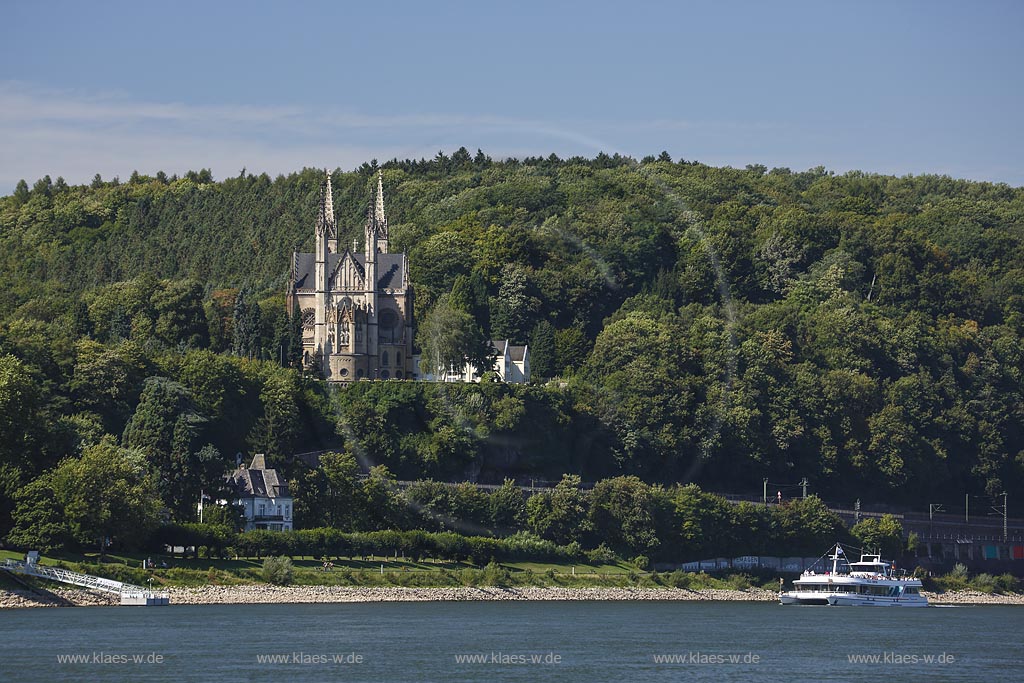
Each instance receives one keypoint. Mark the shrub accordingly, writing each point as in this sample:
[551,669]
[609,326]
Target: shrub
[278,570]
[679,579]
[1006,583]
[602,554]
[986,583]
[740,582]
[496,575]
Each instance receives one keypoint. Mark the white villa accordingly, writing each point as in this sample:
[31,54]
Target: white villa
[512,364]
[264,497]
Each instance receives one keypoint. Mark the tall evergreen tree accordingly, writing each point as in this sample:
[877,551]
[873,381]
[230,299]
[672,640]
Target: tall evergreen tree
[542,350]
[246,326]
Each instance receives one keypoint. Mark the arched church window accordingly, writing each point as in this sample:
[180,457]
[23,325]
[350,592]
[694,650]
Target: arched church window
[384,358]
[389,326]
[398,357]
[308,318]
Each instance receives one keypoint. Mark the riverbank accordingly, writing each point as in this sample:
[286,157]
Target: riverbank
[266,594]
[262,593]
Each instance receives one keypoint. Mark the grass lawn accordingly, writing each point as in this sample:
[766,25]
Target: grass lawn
[179,571]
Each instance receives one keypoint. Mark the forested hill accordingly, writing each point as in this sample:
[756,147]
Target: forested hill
[714,324]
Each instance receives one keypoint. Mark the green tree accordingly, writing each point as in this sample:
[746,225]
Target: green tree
[513,306]
[571,348]
[880,534]
[165,427]
[561,515]
[508,506]
[542,351]
[39,521]
[107,496]
[623,513]
[180,319]
[447,337]
[330,495]
[21,193]
[246,326]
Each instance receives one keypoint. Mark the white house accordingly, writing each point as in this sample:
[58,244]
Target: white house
[264,497]
[512,363]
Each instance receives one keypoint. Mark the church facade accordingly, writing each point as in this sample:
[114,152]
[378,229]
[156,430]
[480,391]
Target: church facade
[356,306]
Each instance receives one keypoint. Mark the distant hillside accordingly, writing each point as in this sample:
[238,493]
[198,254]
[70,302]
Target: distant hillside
[715,324]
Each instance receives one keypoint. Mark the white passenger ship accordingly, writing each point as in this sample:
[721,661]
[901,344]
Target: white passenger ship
[871,581]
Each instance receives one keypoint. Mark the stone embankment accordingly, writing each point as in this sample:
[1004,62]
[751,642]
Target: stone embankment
[971,597]
[265,594]
[306,594]
[56,597]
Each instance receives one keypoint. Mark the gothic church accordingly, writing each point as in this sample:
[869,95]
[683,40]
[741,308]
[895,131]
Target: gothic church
[356,307]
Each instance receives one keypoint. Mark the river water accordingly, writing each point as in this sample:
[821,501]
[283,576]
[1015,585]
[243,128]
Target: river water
[512,641]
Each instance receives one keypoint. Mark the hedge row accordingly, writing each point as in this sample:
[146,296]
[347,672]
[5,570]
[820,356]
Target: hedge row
[327,542]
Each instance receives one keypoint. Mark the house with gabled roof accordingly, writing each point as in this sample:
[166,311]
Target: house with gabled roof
[263,496]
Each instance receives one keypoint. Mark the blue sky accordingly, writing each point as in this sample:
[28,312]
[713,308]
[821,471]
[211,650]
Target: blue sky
[891,87]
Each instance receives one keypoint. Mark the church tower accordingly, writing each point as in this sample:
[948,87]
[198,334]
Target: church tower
[380,220]
[326,243]
[356,305]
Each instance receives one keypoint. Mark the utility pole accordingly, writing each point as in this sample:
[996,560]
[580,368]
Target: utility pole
[1004,516]
[967,508]
[932,509]
[803,483]
[765,494]
[856,511]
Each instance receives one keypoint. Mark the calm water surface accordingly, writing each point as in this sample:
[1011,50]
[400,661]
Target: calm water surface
[565,641]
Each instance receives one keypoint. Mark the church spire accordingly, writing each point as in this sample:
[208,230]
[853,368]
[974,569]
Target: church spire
[379,219]
[329,200]
[325,221]
[380,199]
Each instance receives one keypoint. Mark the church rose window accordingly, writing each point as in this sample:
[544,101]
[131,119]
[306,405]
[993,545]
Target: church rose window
[384,374]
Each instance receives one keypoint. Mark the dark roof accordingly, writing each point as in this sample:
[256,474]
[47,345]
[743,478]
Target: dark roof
[516,353]
[390,269]
[257,480]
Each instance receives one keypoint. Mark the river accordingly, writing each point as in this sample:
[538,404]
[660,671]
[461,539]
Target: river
[512,641]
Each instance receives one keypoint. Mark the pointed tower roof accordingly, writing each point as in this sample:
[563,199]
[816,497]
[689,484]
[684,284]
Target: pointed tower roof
[379,215]
[325,222]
